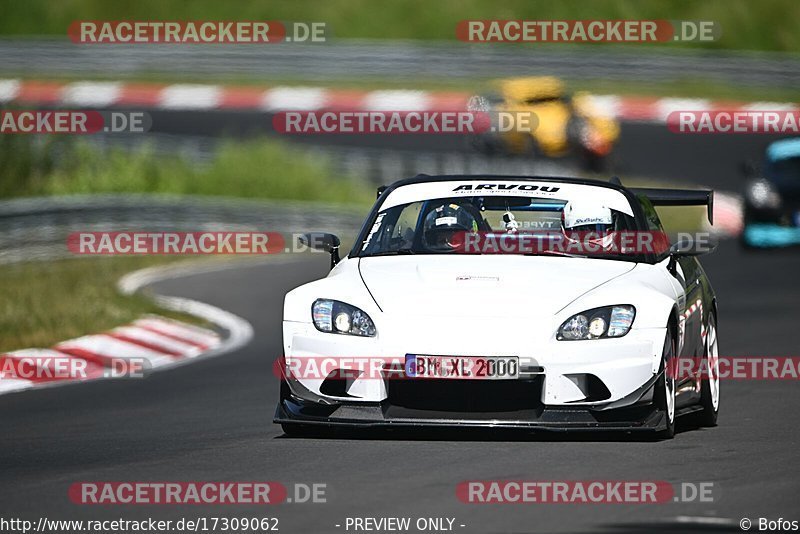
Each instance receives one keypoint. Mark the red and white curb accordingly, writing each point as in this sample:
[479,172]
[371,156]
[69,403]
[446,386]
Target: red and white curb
[212,97]
[160,342]
[149,343]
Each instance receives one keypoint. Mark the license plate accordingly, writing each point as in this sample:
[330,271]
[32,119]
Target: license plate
[462,367]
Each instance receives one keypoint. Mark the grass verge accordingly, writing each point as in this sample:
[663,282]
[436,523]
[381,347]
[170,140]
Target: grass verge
[47,302]
[256,168]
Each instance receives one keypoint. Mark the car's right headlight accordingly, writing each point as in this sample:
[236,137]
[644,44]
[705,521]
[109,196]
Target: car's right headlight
[598,323]
[340,318]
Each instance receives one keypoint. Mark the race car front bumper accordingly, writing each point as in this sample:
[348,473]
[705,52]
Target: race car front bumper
[573,372]
[636,412]
[595,384]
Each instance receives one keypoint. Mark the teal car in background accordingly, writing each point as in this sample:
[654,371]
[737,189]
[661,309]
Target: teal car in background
[772,198]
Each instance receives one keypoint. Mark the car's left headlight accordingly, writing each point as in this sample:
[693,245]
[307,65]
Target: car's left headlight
[598,323]
[340,318]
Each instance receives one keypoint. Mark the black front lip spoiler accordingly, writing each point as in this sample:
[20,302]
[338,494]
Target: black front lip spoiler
[375,415]
[653,423]
[635,412]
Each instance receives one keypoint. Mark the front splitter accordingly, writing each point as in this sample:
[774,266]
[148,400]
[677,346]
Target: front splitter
[377,415]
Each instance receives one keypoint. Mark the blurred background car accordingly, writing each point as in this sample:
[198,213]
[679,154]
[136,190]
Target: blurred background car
[772,197]
[562,124]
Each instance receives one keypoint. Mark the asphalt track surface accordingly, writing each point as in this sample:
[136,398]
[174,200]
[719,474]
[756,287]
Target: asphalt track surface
[212,420]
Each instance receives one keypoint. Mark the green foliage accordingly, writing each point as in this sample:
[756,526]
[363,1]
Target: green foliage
[251,169]
[746,24]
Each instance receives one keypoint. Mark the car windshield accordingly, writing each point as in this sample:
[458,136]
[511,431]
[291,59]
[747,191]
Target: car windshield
[501,225]
[784,173]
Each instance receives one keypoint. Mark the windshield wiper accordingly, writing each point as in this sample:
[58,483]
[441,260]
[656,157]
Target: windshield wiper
[557,253]
[395,252]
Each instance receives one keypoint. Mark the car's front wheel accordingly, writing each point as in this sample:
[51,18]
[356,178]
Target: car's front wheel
[665,387]
[709,385]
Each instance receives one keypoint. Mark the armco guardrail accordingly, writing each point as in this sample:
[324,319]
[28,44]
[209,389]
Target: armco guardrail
[384,166]
[37,228]
[397,59]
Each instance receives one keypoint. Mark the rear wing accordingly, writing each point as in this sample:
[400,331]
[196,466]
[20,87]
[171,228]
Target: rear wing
[679,197]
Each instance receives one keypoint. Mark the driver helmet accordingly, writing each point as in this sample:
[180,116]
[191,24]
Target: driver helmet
[590,223]
[446,225]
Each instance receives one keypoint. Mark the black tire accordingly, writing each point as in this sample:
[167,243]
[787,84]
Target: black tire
[708,417]
[593,163]
[662,392]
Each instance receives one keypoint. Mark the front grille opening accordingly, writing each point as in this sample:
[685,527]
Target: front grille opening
[593,389]
[466,396]
[596,390]
[337,382]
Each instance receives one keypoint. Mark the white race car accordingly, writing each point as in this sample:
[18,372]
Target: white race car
[505,301]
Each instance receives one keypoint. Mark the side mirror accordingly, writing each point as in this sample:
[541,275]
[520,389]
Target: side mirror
[690,245]
[323,242]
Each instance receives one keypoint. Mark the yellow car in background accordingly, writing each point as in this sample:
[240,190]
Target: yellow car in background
[561,124]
